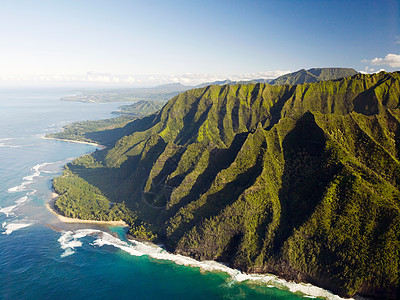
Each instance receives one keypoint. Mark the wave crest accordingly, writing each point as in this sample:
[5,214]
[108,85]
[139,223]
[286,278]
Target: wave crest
[14,226]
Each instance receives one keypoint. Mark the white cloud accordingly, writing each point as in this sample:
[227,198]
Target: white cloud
[110,80]
[369,70]
[397,40]
[391,60]
[194,79]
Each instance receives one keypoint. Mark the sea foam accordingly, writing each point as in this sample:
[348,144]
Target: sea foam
[36,171]
[28,179]
[33,192]
[19,188]
[69,241]
[22,199]
[31,177]
[8,210]
[4,145]
[11,227]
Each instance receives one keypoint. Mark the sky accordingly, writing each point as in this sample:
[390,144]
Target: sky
[143,43]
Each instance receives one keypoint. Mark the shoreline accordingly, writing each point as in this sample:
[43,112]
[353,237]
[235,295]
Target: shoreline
[50,207]
[72,141]
[305,287]
[271,280]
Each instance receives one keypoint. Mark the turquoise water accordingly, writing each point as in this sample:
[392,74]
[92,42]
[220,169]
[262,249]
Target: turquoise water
[43,258]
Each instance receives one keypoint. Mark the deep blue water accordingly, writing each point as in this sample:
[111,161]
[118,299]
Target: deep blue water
[43,258]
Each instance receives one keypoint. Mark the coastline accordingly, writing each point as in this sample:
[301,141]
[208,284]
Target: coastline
[72,141]
[50,207]
[159,253]
[270,280]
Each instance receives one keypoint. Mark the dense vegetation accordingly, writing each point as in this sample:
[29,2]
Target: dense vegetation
[313,75]
[301,181]
[79,199]
[141,108]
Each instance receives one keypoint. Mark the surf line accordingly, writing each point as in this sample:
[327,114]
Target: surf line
[70,240]
[28,179]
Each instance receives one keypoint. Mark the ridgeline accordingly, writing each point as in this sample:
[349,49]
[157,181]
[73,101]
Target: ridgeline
[313,75]
[297,180]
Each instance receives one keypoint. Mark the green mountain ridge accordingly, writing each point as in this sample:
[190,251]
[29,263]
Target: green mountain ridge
[140,108]
[313,75]
[301,181]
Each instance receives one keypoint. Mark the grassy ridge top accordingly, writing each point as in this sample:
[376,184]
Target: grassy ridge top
[302,181]
[313,75]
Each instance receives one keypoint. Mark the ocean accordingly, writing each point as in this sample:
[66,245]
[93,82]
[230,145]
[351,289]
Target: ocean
[43,258]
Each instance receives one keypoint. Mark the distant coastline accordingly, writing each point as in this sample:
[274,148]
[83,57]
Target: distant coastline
[51,208]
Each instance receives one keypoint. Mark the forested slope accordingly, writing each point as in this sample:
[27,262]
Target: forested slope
[301,181]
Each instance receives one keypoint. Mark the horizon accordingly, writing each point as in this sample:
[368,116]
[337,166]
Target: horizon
[132,44]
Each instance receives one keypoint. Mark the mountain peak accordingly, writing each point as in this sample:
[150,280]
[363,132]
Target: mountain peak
[313,75]
[302,181]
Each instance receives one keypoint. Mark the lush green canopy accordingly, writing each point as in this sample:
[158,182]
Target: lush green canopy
[302,181]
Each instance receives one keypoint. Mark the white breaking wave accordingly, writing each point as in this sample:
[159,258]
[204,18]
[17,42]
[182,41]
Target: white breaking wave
[4,145]
[33,192]
[8,210]
[36,169]
[22,199]
[28,179]
[10,227]
[69,241]
[36,173]
[31,177]
[39,166]
[19,188]
[67,252]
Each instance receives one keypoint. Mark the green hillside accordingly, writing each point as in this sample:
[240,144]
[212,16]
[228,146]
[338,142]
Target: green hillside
[141,108]
[313,75]
[301,181]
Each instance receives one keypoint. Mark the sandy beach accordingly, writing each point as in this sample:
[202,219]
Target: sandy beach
[50,207]
[72,141]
